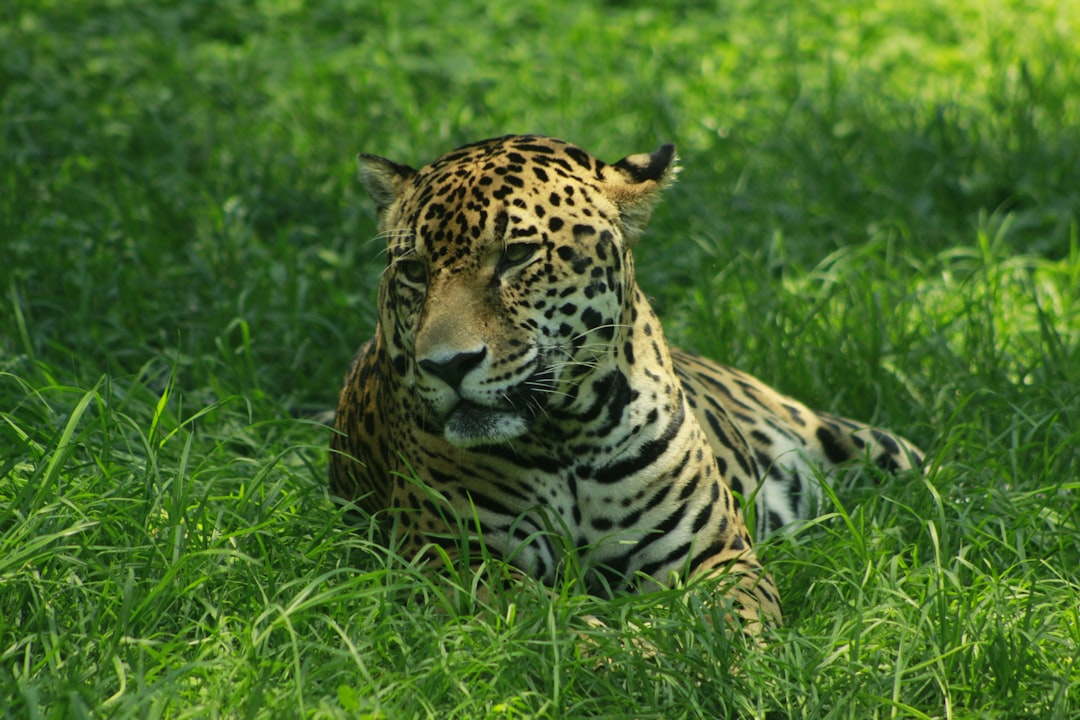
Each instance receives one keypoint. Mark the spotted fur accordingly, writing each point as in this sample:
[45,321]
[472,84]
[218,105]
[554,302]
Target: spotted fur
[520,374]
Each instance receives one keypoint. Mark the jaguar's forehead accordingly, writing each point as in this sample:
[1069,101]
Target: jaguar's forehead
[497,190]
[520,150]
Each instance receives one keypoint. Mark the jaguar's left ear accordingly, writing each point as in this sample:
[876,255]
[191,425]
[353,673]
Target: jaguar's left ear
[636,184]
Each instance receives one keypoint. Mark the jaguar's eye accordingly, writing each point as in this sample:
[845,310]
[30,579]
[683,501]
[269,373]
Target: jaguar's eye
[516,254]
[414,270]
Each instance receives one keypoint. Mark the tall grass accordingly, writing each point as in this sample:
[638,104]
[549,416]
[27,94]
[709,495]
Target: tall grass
[878,213]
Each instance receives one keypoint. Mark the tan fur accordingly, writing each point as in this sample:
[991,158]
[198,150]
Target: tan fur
[519,386]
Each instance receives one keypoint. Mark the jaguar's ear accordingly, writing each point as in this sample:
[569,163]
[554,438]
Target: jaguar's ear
[636,184]
[382,178]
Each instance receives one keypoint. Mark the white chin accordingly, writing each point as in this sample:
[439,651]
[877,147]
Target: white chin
[470,425]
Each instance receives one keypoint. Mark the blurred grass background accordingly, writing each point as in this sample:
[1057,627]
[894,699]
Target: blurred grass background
[878,213]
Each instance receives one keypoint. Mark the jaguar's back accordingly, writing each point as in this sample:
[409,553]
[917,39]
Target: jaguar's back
[792,446]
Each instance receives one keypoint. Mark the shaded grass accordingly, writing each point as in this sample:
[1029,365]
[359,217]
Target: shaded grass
[878,213]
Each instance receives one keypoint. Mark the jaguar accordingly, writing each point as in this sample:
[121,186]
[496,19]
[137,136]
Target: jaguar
[519,391]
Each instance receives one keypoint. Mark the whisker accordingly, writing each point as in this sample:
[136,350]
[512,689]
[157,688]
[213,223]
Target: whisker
[547,391]
[383,237]
[608,326]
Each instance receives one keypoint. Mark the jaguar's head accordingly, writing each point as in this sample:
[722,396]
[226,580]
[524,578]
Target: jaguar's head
[509,280]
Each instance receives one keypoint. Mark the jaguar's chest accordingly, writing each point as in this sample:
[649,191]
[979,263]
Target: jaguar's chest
[548,517]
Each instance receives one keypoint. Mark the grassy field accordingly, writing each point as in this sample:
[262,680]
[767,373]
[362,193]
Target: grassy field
[879,213]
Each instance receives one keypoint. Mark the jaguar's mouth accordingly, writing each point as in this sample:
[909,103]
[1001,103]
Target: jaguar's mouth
[469,424]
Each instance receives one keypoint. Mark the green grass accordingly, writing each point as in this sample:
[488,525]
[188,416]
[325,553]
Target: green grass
[879,213]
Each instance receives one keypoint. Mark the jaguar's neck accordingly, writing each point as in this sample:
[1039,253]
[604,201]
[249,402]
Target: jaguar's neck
[633,388]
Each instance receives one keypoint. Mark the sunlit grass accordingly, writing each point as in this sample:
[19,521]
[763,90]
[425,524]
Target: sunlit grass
[878,213]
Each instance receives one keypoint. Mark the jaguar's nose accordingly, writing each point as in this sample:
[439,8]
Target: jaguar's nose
[453,368]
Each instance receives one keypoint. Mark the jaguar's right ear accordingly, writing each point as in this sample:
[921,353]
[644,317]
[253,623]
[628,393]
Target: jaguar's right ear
[383,179]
